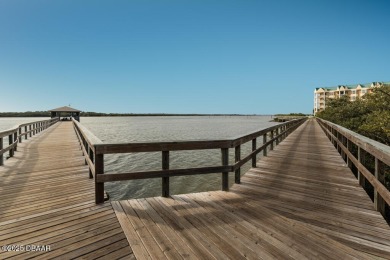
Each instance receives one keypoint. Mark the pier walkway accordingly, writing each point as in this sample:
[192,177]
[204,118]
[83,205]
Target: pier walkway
[47,199]
[300,202]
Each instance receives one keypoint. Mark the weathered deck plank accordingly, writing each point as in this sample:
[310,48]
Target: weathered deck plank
[301,202]
[47,199]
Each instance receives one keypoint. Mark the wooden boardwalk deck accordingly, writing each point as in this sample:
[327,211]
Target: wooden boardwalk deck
[47,199]
[301,202]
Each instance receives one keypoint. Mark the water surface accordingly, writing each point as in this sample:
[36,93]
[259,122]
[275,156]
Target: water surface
[165,128]
[138,129]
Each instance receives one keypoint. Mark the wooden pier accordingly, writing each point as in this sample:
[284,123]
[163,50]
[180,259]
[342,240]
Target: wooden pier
[300,201]
[48,199]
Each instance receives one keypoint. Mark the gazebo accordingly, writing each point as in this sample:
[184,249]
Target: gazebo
[65,112]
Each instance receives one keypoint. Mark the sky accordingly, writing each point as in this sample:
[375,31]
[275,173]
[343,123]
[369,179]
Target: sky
[203,56]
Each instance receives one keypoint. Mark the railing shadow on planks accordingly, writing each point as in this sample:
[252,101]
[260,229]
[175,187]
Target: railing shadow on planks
[368,159]
[94,150]
[16,133]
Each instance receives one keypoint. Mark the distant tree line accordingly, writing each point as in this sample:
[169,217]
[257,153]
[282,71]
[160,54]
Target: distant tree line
[25,114]
[91,114]
[368,116]
[293,114]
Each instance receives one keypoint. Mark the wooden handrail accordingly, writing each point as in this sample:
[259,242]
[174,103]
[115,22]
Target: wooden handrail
[162,146]
[338,135]
[94,149]
[88,142]
[89,137]
[16,133]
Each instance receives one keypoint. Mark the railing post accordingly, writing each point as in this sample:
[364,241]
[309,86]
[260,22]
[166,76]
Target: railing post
[165,180]
[264,141]
[379,203]
[272,137]
[254,156]
[99,187]
[90,153]
[25,131]
[225,175]
[277,133]
[15,140]
[30,130]
[375,190]
[1,148]
[10,141]
[237,172]
[86,147]
[20,134]
[348,160]
[359,162]
[84,143]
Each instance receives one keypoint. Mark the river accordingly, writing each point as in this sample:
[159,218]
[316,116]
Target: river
[165,128]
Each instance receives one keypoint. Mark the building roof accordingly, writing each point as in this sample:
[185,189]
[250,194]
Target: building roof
[64,109]
[354,86]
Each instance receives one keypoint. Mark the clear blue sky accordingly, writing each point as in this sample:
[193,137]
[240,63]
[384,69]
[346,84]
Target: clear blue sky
[203,56]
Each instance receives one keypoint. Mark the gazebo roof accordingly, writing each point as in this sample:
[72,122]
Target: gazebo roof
[64,109]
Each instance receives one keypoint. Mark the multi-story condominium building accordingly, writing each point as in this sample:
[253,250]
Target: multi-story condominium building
[353,92]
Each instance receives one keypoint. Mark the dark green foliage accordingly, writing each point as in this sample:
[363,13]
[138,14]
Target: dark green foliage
[292,114]
[369,116]
[26,114]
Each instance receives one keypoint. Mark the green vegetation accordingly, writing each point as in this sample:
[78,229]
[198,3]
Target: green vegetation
[288,117]
[368,116]
[26,114]
[293,114]
[90,114]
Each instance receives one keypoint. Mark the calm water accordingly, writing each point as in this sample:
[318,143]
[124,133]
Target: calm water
[9,122]
[136,129]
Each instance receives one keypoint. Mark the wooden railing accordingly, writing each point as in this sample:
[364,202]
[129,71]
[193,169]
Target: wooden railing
[369,159]
[94,151]
[16,134]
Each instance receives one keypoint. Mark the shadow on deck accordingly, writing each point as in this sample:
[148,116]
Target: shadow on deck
[48,200]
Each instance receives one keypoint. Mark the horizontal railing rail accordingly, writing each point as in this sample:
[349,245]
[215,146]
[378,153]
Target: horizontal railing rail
[16,134]
[94,150]
[370,158]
